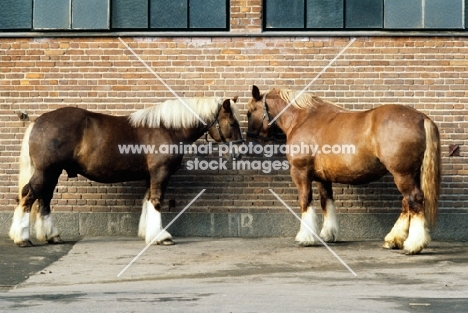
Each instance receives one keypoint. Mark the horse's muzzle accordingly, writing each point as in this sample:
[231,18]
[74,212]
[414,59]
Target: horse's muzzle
[233,150]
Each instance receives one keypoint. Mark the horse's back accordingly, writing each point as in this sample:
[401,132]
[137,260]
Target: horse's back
[73,139]
[366,144]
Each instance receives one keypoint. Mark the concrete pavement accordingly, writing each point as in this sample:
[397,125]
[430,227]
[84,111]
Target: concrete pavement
[238,275]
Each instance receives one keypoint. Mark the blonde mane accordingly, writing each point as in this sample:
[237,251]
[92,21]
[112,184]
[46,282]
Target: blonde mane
[304,100]
[175,114]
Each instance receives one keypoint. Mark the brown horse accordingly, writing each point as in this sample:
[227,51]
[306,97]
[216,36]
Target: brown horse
[90,144]
[329,144]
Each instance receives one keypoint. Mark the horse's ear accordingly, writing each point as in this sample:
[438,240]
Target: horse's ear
[227,105]
[235,99]
[256,93]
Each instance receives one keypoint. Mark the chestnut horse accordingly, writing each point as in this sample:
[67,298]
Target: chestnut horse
[390,138]
[89,144]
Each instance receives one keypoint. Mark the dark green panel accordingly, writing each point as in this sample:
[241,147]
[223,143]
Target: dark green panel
[364,14]
[446,14]
[466,13]
[169,13]
[90,14]
[16,14]
[403,14]
[325,14]
[129,14]
[284,14]
[52,14]
[207,14]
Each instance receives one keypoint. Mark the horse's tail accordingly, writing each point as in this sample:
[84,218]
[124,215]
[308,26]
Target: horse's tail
[430,172]
[26,169]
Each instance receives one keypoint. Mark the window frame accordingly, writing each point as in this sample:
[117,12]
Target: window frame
[110,27]
[383,30]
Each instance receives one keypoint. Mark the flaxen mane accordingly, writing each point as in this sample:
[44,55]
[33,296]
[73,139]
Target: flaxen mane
[304,100]
[175,114]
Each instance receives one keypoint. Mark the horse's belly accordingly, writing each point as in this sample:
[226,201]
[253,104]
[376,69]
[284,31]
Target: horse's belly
[110,170]
[354,173]
[108,177]
[118,177]
[357,179]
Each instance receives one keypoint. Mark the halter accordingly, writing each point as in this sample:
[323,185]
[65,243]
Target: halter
[216,121]
[266,115]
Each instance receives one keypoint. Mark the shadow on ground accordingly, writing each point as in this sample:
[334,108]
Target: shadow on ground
[18,264]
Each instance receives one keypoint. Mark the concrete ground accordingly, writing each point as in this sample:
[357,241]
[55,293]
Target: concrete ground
[231,275]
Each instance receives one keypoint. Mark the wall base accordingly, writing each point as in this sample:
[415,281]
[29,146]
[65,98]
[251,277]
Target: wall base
[450,226]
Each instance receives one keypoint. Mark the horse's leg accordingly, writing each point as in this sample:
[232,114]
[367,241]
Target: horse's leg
[144,210]
[418,236]
[45,182]
[409,232]
[39,187]
[45,229]
[308,229]
[397,236]
[329,231]
[154,232]
[19,230]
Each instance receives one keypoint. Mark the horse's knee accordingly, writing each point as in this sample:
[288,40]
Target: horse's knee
[415,201]
[156,204]
[28,197]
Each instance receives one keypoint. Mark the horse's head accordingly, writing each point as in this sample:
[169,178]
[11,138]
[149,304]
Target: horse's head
[225,127]
[259,129]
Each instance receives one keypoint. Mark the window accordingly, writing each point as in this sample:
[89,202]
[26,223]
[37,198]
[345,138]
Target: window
[108,15]
[169,14]
[364,14]
[67,14]
[16,14]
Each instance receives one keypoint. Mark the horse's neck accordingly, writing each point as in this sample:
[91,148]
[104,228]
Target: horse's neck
[293,116]
[285,119]
[189,135]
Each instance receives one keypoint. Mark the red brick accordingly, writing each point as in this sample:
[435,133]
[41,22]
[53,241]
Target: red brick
[99,74]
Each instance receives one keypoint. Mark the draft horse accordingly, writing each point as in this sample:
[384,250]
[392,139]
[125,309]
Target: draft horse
[390,138]
[87,143]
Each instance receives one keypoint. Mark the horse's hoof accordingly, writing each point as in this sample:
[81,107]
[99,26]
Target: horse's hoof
[301,244]
[329,235]
[329,238]
[166,242]
[55,240]
[388,245]
[412,252]
[26,243]
[392,245]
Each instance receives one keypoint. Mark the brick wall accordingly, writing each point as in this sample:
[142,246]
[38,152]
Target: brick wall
[98,73]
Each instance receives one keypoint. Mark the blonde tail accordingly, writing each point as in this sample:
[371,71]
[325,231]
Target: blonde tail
[430,173]
[26,166]
[19,230]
